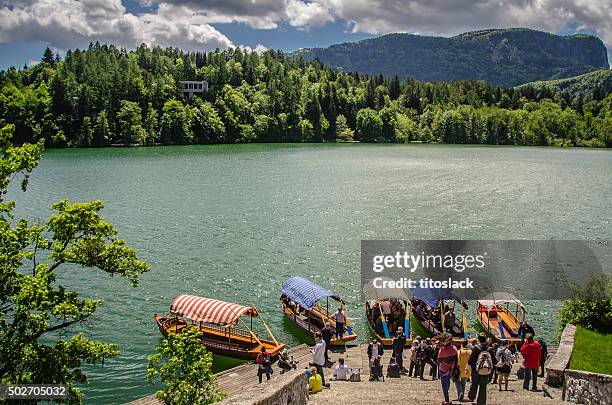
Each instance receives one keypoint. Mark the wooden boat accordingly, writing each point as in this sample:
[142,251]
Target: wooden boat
[501,315]
[428,305]
[385,327]
[218,321]
[299,301]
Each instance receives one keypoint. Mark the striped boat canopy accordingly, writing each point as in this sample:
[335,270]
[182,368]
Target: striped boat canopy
[200,309]
[306,293]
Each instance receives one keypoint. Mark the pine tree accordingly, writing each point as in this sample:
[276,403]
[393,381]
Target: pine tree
[394,88]
[48,57]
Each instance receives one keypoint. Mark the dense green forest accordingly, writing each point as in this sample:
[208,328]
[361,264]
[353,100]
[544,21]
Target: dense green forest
[105,95]
[598,82]
[504,57]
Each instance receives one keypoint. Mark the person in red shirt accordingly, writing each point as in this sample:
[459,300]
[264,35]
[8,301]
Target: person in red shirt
[531,352]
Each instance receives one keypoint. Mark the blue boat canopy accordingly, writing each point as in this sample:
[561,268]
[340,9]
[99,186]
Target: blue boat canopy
[306,293]
[432,296]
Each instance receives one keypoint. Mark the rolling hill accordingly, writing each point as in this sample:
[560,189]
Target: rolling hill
[583,85]
[505,57]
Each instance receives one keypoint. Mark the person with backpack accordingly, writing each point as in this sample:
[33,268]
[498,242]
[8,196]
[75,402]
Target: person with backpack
[482,366]
[425,356]
[447,363]
[414,365]
[465,371]
[531,352]
[398,343]
[265,365]
[493,346]
[504,364]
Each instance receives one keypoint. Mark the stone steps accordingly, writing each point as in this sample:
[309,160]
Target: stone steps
[406,390]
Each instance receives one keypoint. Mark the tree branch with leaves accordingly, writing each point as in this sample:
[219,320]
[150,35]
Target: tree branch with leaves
[36,314]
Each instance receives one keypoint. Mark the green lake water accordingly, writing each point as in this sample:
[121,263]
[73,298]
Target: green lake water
[234,221]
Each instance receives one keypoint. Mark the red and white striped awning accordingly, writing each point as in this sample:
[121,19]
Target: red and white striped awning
[200,309]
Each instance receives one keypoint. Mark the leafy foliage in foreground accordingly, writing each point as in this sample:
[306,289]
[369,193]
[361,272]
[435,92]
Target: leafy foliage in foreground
[184,366]
[38,317]
[590,305]
[104,96]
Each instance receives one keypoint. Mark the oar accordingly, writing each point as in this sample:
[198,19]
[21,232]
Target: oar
[442,314]
[464,321]
[384,322]
[250,331]
[264,322]
[407,310]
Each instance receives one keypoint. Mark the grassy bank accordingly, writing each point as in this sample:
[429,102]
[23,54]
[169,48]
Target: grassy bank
[592,351]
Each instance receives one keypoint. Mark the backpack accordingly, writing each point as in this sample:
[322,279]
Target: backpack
[355,375]
[484,363]
[421,354]
[393,371]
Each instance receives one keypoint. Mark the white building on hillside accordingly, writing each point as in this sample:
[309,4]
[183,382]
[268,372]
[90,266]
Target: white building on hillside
[190,87]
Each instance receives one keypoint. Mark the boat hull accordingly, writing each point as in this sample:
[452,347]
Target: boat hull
[387,342]
[310,329]
[493,328]
[221,340]
[430,327]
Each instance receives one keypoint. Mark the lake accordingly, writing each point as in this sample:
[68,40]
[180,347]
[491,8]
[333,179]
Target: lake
[234,221]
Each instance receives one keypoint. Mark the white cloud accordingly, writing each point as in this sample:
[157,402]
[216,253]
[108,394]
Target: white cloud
[450,17]
[187,23]
[67,24]
[258,49]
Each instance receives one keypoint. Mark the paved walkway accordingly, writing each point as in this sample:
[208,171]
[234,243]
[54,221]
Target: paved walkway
[406,390]
[237,379]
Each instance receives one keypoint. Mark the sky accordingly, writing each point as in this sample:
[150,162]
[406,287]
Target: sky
[27,27]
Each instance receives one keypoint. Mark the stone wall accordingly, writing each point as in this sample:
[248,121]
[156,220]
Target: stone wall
[583,387]
[556,366]
[290,388]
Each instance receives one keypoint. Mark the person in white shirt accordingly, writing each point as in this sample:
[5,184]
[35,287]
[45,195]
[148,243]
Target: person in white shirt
[318,356]
[340,318]
[385,305]
[341,371]
[375,351]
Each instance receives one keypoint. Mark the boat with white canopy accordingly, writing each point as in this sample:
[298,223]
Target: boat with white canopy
[501,315]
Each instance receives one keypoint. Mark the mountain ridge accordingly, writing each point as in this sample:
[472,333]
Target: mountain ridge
[505,57]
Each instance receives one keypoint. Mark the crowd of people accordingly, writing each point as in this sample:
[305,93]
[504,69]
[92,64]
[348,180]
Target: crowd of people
[443,319]
[386,312]
[479,361]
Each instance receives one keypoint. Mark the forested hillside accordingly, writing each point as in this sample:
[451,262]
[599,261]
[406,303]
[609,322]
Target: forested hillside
[598,83]
[104,95]
[505,57]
